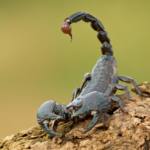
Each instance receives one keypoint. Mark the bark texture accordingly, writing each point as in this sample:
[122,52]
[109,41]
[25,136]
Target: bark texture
[126,131]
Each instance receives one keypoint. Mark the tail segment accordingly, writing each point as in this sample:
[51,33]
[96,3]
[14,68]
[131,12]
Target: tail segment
[95,24]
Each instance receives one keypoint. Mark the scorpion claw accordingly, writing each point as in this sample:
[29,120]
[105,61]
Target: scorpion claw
[45,127]
[47,112]
[94,103]
[77,113]
[45,124]
[93,122]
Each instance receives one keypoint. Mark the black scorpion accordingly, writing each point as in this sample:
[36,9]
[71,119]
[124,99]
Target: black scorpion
[97,89]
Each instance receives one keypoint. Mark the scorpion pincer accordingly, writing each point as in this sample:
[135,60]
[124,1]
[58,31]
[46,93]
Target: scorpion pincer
[95,103]
[52,111]
[97,89]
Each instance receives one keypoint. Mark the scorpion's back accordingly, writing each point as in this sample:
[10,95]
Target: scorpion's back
[102,74]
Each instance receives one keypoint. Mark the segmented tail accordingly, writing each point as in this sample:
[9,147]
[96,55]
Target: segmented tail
[95,24]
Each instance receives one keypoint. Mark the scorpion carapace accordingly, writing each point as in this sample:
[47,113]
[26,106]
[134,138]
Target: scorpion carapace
[97,89]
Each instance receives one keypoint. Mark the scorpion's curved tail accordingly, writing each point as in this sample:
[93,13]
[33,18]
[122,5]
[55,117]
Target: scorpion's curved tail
[95,24]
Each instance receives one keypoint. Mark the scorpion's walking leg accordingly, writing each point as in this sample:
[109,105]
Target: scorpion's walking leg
[75,93]
[124,88]
[78,90]
[130,80]
[104,119]
[87,77]
[93,122]
[118,100]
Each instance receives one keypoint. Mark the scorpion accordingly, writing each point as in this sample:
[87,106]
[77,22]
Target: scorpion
[97,89]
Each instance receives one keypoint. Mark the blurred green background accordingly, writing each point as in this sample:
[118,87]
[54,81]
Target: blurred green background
[38,62]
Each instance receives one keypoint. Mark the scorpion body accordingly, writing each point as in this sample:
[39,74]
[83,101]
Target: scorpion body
[103,79]
[97,90]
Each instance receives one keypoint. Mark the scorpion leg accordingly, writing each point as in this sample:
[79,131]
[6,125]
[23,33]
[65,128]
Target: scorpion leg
[118,100]
[104,119]
[75,93]
[78,90]
[130,80]
[124,88]
[87,77]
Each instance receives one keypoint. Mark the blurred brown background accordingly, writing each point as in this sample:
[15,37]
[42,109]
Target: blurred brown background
[38,62]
